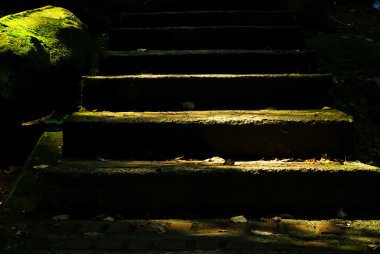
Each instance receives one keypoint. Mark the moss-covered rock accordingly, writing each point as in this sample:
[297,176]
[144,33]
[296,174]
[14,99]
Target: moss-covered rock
[43,52]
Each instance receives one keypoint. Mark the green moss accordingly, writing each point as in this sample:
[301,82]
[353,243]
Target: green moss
[43,53]
[21,32]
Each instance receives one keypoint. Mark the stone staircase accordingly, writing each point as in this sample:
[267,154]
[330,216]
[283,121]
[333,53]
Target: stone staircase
[204,108]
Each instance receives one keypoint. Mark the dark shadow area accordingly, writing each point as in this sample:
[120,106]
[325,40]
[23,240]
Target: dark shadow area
[349,49]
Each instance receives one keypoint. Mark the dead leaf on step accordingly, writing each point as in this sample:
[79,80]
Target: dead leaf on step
[91,233]
[239,219]
[38,121]
[108,218]
[103,217]
[373,246]
[261,233]
[40,166]
[12,169]
[311,161]
[61,217]
[327,108]
[101,159]
[216,160]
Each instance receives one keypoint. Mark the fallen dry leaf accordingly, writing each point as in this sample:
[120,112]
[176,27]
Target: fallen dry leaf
[216,159]
[38,121]
[239,219]
[313,160]
[259,232]
[61,217]
[40,166]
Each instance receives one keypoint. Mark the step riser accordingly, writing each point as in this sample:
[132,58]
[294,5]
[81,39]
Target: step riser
[175,92]
[245,141]
[195,19]
[185,191]
[207,63]
[184,5]
[207,38]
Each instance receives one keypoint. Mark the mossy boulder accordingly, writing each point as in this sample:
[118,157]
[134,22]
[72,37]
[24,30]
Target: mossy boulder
[43,53]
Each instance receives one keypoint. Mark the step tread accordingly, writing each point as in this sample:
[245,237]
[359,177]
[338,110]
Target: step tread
[183,167]
[203,76]
[265,28]
[237,134]
[181,52]
[241,117]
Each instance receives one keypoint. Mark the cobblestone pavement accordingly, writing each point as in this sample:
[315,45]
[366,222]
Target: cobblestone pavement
[34,234]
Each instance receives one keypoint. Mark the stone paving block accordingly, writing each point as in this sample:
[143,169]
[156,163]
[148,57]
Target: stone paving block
[119,228]
[141,244]
[207,244]
[320,244]
[45,243]
[171,244]
[180,226]
[209,228]
[296,229]
[238,244]
[328,228]
[237,228]
[92,226]
[78,243]
[63,228]
[111,244]
[150,227]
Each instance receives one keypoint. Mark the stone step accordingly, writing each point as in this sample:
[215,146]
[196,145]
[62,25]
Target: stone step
[237,135]
[206,61]
[213,37]
[156,188]
[200,92]
[204,18]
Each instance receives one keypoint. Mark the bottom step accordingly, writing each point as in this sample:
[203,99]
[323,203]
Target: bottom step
[170,188]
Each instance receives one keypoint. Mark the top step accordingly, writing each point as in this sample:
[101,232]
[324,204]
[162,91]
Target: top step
[187,5]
